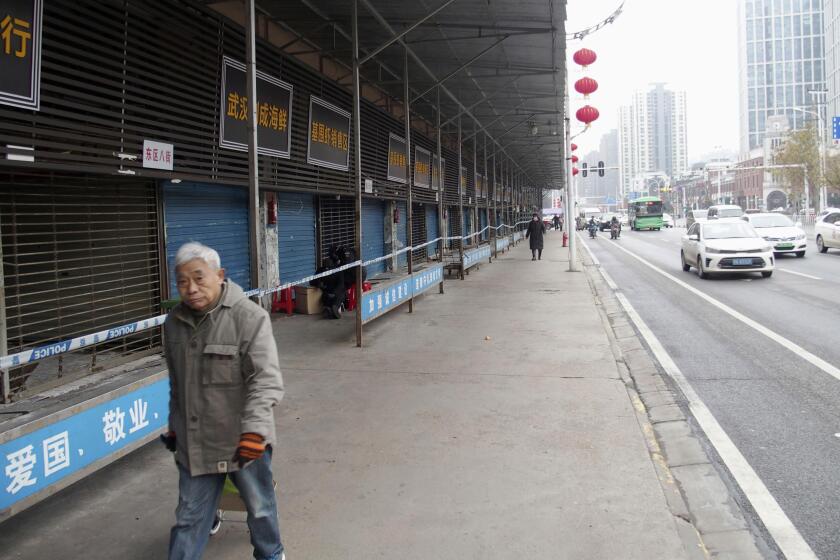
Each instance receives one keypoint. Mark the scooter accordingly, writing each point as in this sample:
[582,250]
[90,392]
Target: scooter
[615,231]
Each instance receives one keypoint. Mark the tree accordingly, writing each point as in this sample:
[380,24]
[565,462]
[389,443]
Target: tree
[800,148]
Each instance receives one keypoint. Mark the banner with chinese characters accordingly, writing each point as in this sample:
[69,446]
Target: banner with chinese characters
[436,172]
[479,186]
[463,181]
[396,158]
[329,135]
[422,168]
[274,115]
[37,462]
[20,53]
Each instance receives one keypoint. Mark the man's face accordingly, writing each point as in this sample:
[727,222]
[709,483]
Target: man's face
[199,285]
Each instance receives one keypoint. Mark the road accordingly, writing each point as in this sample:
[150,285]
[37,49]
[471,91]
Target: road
[779,409]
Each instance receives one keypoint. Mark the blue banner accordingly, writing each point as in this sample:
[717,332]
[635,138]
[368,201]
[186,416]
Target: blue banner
[383,299]
[38,460]
[475,256]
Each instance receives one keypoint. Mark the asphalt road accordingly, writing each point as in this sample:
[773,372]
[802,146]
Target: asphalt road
[782,412]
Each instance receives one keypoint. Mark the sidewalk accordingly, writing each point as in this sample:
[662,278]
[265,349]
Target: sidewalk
[491,424]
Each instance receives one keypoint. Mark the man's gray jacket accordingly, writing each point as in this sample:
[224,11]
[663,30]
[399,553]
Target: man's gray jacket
[224,377]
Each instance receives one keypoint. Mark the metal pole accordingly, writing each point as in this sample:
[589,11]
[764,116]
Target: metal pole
[253,156]
[409,222]
[474,209]
[493,232]
[440,190]
[357,149]
[460,202]
[485,189]
[822,193]
[571,217]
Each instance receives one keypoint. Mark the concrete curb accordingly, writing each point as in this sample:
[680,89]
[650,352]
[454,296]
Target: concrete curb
[708,518]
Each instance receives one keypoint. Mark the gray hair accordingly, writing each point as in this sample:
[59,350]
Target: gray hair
[193,250]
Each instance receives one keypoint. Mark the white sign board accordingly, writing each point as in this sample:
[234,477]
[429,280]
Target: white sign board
[157,155]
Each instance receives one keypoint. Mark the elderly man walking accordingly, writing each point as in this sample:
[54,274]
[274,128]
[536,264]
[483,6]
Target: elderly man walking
[224,383]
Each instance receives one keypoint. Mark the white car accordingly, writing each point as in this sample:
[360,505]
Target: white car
[828,231]
[780,232]
[726,246]
[667,220]
[724,211]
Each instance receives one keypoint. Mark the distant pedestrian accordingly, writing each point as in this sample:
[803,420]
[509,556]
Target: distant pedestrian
[536,230]
[225,381]
[556,222]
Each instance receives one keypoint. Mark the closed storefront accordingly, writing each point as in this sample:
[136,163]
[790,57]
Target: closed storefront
[215,215]
[79,253]
[402,235]
[432,227]
[296,235]
[335,224]
[373,233]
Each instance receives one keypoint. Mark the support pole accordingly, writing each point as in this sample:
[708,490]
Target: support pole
[357,156]
[409,222]
[474,206]
[253,156]
[460,201]
[493,231]
[569,202]
[441,181]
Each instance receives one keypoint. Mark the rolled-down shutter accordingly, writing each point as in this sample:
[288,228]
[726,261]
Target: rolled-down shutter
[418,233]
[431,226]
[296,235]
[215,215]
[336,224]
[373,233]
[402,235]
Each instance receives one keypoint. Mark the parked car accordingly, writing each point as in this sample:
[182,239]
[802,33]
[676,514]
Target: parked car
[828,231]
[780,232]
[720,211]
[695,216]
[667,220]
[726,246]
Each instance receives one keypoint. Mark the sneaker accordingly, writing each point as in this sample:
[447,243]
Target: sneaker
[217,524]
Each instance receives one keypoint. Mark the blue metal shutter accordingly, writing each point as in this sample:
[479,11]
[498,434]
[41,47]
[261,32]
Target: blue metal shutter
[402,235]
[431,225]
[482,219]
[373,234]
[296,235]
[215,215]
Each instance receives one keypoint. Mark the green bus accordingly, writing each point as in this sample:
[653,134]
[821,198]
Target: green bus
[646,213]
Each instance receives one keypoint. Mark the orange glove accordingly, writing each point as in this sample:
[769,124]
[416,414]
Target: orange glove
[251,447]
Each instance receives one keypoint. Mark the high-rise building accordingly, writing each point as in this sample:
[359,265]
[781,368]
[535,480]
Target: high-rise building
[780,60]
[653,135]
[831,19]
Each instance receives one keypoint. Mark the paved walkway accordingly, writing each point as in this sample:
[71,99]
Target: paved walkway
[491,424]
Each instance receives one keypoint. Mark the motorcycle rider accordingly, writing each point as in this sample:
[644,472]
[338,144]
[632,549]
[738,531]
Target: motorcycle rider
[615,227]
[592,226]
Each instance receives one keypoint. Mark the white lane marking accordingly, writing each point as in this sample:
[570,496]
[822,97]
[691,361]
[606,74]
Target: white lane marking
[780,269]
[790,541]
[772,335]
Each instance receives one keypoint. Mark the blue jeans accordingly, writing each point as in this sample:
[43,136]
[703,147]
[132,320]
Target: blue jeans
[198,502]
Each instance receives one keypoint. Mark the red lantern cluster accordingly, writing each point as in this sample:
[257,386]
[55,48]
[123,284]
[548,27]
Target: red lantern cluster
[586,114]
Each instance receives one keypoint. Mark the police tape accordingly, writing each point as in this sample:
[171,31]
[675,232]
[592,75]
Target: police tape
[64,346]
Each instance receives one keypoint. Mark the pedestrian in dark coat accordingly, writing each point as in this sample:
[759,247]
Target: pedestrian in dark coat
[536,230]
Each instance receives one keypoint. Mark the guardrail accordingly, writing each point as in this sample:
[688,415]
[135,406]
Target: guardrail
[62,347]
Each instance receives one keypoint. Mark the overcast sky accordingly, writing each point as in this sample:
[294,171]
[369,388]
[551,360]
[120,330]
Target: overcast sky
[689,44]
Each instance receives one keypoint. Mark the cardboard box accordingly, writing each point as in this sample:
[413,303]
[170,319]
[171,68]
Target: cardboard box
[308,300]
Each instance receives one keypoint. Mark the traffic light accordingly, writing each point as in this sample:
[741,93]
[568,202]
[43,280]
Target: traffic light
[600,169]
[583,170]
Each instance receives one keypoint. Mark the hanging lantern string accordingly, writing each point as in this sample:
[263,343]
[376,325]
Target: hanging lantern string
[580,35]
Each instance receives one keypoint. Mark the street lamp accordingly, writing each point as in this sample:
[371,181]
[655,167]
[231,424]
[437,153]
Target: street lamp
[820,126]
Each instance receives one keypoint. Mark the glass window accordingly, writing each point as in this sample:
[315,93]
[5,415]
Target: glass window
[728,230]
[789,49]
[797,48]
[776,220]
[808,73]
[788,24]
[806,43]
[797,24]
[750,53]
[818,47]
[799,72]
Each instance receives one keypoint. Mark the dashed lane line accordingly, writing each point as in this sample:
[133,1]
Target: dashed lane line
[798,273]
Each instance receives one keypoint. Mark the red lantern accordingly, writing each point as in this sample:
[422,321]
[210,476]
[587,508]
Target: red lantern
[587,114]
[585,57]
[586,86]
[575,159]
[574,170]
[574,146]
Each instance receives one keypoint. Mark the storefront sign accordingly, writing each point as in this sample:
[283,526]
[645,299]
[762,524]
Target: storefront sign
[422,168]
[274,114]
[157,155]
[396,158]
[329,135]
[436,172]
[20,53]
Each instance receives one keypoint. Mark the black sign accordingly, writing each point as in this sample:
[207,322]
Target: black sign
[396,158]
[274,114]
[436,172]
[20,53]
[329,135]
[422,168]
